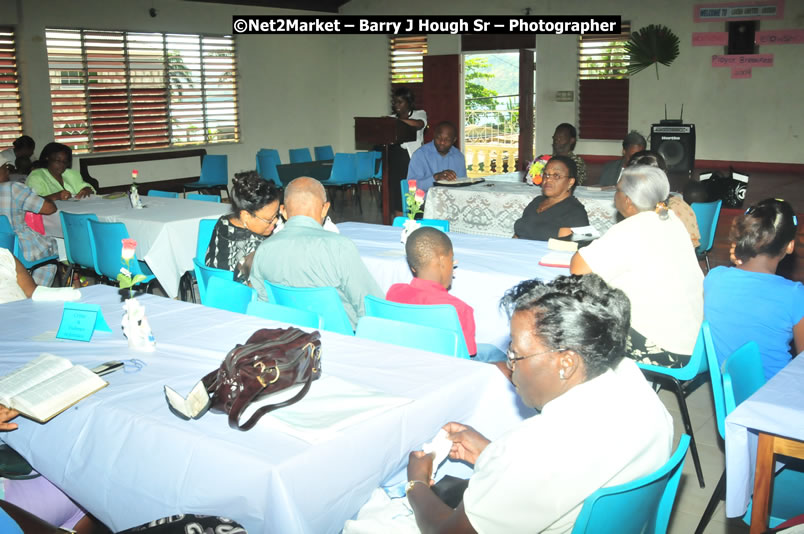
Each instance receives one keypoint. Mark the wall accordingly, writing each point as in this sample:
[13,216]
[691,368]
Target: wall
[757,119]
[288,85]
[305,90]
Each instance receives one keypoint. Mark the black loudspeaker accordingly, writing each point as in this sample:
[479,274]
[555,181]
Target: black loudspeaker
[676,144]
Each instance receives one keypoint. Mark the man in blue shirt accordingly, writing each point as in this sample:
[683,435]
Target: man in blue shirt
[437,160]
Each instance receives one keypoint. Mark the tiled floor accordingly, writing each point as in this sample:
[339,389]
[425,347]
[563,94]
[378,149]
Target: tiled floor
[691,499]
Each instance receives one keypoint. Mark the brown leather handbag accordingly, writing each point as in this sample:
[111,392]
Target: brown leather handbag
[273,359]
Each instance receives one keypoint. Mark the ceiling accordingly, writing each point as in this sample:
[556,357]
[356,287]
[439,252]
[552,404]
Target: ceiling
[327,6]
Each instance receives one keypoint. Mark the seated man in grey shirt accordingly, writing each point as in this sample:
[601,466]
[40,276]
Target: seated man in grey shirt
[304,254]
[633,143]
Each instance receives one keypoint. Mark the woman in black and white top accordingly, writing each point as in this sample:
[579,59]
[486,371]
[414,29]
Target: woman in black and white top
[255,212]
[399,155]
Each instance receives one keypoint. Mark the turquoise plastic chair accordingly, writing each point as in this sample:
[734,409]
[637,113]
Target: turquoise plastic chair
[322,300]
[16,250]
[205,229]
[7,240]
[706,214]
[274,153]
[267,160]
[7,235]
[164,194]
[203,274]
[643,505]
[204,198]
[214,174]
[299,155]
[682,382]
[368,172]
[410,335]
[76,240]
[740,376]
[285,314]
[323,152]
[344,176]
[441,224]
[432,315]
[105,241]
[228,295]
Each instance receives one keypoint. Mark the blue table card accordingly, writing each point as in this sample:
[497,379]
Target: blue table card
[80,320]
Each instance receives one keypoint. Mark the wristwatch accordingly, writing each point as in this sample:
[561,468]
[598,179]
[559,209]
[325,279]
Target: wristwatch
[409,485]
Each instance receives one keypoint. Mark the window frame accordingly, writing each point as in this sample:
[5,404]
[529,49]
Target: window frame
[603,98]
[11,120]
[407,67]
[128,94]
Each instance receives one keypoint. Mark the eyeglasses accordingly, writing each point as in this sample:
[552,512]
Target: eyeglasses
[268,221]
[511,359]
[555,176]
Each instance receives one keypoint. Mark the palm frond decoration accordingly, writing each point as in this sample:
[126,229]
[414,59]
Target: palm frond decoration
[651,45]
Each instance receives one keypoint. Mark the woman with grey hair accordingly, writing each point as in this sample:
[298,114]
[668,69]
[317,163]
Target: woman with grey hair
[648,255]
[566,361]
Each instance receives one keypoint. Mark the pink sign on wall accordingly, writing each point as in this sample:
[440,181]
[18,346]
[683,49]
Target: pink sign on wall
[739,60]
[754,10]
[779,37]
[741,72]
[710,38]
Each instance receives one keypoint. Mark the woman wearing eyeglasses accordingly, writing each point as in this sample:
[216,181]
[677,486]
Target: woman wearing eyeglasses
[600,423]
[750,302]
[255,212]
[556,210]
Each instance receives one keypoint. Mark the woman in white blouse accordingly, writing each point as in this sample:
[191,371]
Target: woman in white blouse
[403,104]
[648,255]
[600,424]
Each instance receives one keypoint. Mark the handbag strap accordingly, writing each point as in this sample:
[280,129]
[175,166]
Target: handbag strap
[249,394]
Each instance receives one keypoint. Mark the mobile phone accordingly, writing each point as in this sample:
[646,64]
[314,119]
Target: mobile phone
[108,367]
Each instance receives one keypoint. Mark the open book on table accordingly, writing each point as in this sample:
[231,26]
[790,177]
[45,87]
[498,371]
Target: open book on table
[46,386]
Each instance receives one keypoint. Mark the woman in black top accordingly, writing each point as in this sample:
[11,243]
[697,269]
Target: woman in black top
[255,212]
[556,211]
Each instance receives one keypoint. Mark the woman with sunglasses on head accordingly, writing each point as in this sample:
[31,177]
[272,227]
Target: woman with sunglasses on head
[556,210]
[255,213]
[750,302]
[600,424]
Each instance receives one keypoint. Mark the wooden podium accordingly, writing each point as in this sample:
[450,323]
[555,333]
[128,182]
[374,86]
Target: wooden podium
[383,131]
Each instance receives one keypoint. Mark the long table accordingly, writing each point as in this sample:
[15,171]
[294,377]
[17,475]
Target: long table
[127,459]
[492,207]
[487,268]
[166,229]
[771,421]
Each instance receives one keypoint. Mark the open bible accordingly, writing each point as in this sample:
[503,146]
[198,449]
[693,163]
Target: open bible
[46,386]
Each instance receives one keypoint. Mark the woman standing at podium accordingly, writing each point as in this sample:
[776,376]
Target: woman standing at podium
[399,155]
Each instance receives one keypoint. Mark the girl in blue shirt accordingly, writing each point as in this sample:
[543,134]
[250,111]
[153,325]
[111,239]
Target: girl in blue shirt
[749,302]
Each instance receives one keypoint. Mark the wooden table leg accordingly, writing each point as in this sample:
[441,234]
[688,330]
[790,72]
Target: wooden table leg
[763,483]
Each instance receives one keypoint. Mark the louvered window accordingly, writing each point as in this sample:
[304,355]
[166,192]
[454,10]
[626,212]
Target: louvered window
[603,85]
[407,58]
[10,116]
[114,91]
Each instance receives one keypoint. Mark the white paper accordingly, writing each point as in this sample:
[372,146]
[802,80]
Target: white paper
[440,445]
[57,294]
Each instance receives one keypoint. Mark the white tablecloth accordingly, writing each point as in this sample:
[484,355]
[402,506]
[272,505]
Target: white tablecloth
[166,230]
[123,455]
[492,207]
[487,268]
[776,408]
